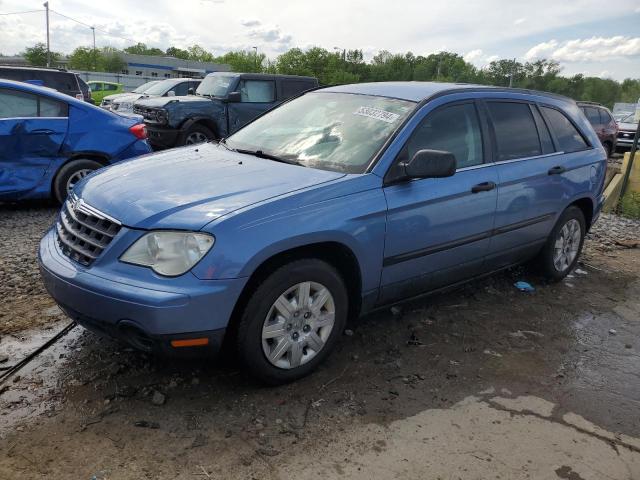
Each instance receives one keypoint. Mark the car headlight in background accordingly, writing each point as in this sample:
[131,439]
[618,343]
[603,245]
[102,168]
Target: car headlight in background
[162,116]
[169,253]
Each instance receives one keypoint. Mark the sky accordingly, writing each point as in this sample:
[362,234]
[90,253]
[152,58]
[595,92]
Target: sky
[594,38]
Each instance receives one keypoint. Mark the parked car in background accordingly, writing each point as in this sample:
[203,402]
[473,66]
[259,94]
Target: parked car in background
[49,141]
[171,87]
[100,89]
[61,80]
[626,131]
[222,104]
[603,123]
[106,101]
[342,200]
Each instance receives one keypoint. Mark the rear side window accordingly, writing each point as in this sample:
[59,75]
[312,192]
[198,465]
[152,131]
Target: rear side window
[568,137]
[605,116]
[110,87]
[592,115]
[292,88]
[181,89]
[454,129]
[11,74]
[16,104]
[257,91]
[515,129]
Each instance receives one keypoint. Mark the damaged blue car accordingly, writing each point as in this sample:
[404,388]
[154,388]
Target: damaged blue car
[49,141]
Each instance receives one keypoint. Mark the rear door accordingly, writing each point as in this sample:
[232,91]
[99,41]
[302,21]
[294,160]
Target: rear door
[438,229]
[533,173]
[256,96]
[32,131]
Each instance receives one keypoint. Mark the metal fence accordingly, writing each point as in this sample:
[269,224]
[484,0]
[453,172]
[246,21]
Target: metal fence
[130,82]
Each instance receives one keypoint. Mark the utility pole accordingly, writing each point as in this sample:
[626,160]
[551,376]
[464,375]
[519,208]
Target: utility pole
[93,29]
[46,6]
[513,67]
[255,57]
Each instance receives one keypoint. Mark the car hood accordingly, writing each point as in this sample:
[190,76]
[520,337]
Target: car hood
[628,126]
[115,96]
[187,188]
[128,98]
[159,102]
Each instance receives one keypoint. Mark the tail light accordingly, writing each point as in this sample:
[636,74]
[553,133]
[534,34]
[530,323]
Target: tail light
[139,131]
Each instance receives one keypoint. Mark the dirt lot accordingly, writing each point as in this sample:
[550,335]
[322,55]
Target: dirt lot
[482,382]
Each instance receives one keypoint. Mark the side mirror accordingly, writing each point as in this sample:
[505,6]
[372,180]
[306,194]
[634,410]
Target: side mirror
[190,91]
[234,97]
[171,93]
[431,164]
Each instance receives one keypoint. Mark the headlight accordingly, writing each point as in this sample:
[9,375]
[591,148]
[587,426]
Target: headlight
[162,116]
[169,253]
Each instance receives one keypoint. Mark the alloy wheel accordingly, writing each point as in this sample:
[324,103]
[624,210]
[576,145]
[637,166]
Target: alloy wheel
[195,138]
[76,177]
[566,246]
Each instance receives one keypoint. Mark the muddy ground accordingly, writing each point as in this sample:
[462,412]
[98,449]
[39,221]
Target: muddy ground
[481,382]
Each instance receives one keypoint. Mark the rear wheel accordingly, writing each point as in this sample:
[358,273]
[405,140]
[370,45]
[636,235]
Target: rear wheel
[607,149]
[198,134]
[70,174]
[292,321]
[562,249]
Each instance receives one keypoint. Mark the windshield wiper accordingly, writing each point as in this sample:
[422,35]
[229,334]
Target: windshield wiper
[268,156]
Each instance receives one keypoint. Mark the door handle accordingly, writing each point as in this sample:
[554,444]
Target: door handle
[483,187]
[557,170]
[45,131]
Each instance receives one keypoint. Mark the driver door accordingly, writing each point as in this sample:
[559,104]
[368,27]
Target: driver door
[32,131]
[438,229]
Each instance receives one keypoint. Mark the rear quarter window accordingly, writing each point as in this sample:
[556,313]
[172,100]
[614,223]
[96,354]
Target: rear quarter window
[515,130]
[567,135]
[292,88]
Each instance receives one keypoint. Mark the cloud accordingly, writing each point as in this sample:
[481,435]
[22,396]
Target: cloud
[277,40]
[250,23]
[519,21]
[479,58]
[587,50]
[473,55]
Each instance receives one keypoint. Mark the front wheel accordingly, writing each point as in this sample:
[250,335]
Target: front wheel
[292,321]
[562,249]
[197,134]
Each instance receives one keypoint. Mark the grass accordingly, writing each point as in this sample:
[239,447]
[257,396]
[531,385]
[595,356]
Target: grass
[630,205]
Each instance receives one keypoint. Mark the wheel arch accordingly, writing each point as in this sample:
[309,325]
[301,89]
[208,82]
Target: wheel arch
[102,158]
[585,204]
[336,254]
[204,121]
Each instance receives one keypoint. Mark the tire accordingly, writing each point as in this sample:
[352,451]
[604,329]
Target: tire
[197,134]
[306,342]
[607,149]
[69,174]
[550,261]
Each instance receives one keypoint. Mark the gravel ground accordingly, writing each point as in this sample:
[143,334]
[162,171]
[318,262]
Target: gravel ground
[24,298]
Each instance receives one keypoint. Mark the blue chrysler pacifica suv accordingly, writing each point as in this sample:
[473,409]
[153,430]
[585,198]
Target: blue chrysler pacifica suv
[342,200]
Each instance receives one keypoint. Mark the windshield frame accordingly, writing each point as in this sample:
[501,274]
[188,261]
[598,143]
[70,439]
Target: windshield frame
[232,84]
[168,85]
[375,158]
[152,82]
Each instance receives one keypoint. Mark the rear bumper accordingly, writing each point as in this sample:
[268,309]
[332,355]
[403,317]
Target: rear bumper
[147,317]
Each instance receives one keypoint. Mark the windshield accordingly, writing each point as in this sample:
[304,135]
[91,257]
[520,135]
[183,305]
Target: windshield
[330,131]
[145,86]
[624,117]
[215,85]
[160,88]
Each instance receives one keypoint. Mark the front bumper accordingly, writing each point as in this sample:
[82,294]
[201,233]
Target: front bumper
[147,316]
[162,137]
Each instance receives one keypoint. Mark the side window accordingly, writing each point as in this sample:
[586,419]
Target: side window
[516,133]
[569,138]
[17,104]
[98,87]
[110,87]
[291,88]
[181,89]
[605,117]
[454,129]
[592,115]
[543,132]
[257,91]
[53,108]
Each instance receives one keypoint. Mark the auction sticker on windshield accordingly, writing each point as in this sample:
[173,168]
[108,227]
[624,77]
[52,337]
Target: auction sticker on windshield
[377,114]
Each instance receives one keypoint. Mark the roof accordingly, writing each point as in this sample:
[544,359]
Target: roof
[30,68]
[268,76]
[418,91]
[50,92]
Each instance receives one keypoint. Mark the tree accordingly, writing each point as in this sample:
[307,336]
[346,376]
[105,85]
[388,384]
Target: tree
[242,61]
[83,58]
[142,49]
[177,53]
[105,60]
[37,55]
[199,54]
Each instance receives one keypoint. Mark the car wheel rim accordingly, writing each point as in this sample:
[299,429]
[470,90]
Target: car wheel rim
[76,177]
[566,245]
[298,325]
[196,137]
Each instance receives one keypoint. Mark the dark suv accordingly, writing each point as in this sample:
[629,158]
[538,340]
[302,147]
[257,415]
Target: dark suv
[223,103]
[603,123]
[61,80]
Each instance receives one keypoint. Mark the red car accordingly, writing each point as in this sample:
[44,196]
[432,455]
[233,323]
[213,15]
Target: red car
[603,123]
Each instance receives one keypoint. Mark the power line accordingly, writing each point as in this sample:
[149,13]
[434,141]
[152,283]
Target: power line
[92,27]
[20,13]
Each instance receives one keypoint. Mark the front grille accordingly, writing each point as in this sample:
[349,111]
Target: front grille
[84,232]
[149,114]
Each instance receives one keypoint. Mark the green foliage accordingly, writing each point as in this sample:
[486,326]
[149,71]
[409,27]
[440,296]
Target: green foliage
[142,49]
[630,205]
[178,53]
[106,59]
[242,61]
[37,55]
